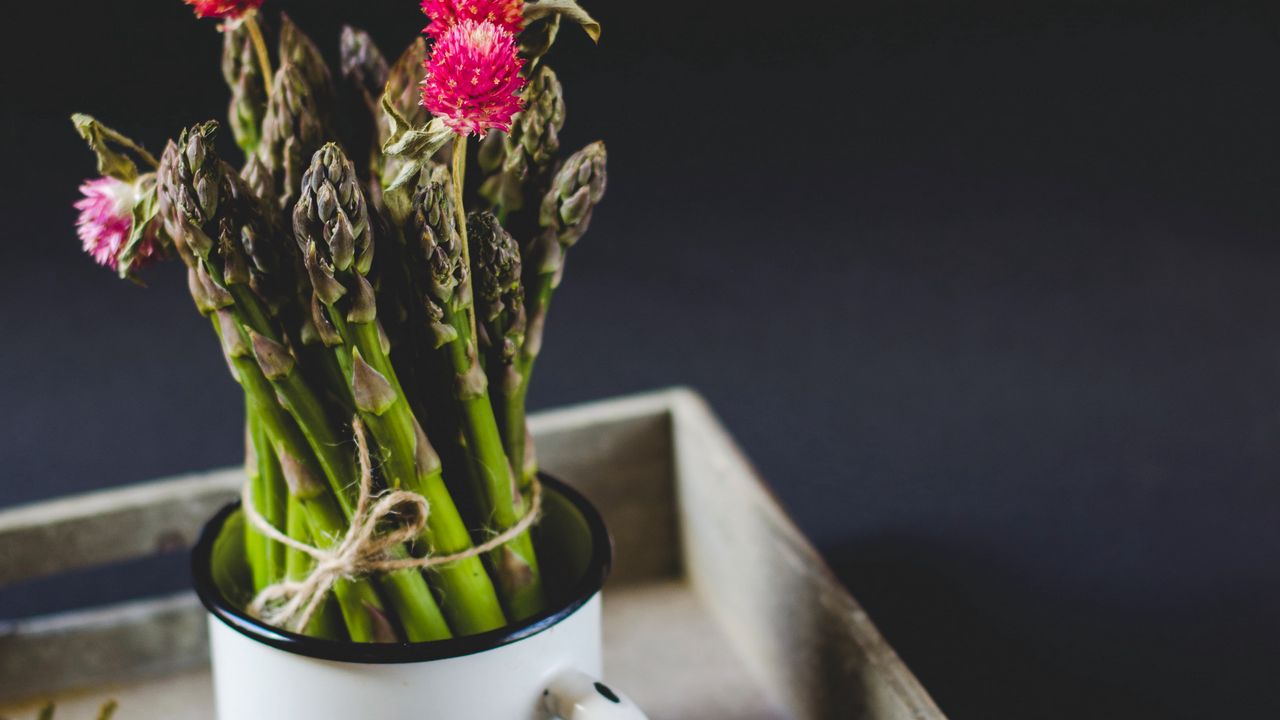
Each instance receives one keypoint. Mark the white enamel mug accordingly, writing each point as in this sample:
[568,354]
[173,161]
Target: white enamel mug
[545,667]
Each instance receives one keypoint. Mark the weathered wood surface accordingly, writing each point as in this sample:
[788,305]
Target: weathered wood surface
[619,453]
[661,646]
[643,460]
[109,526]
[809,641]
[124,642]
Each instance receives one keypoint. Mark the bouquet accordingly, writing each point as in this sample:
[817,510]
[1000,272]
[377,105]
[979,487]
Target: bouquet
[378,284]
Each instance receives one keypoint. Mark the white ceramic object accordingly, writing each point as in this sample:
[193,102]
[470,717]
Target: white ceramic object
[544,668]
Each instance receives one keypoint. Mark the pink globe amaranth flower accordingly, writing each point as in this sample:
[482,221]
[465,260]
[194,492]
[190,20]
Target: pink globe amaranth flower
[444,14]
[106,221]
[223,9]
[473,78]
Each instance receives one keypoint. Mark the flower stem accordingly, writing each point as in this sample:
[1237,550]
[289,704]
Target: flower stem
[459,180]
[260,47]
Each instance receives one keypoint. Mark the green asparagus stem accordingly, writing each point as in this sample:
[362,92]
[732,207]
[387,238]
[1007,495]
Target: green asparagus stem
[250,85]
[328,622]
[200,194]
[361,607]
[448,301]
[269,496]
[522,165]
[331,224]
[565,215]
[285,562]
[501,316]
[408,594]
[255,544]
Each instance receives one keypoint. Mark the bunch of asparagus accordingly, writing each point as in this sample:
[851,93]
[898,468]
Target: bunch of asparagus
[361,274]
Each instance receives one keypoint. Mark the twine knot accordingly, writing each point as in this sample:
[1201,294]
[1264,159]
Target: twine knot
[290,604]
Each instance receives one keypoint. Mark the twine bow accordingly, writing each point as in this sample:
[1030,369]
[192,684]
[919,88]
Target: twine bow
[291,604]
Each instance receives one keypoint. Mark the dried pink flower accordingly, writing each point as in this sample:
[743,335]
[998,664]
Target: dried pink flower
[473,78]
[106,221]
[223,9]
[445,14]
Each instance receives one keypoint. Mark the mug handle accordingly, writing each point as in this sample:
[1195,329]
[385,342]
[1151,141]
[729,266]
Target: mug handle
[574,695]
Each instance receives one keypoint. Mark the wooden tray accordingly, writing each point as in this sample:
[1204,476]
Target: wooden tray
[729,614]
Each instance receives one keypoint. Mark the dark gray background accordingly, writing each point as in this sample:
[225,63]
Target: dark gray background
[986,289]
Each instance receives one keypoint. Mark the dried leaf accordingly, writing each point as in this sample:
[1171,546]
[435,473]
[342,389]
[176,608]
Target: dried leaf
[412,148]
[145,211]
[568,8]
[112,149]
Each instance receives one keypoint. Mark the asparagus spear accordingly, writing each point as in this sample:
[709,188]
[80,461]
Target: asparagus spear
[328,622]
[332,227]
[406,590]
[278,276]
[243,73]
[365,70]
[575,192]
[527,158]
[283,498]
[500,314]
[362,609]
[525,155]
[196,200]
[255,543]
[564,215]
[200,195]
[266,556]
[292,130]
[297,49]
[364,65]
[448,302]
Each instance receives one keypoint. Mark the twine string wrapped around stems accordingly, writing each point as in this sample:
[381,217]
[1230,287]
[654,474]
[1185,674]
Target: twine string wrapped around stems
[291,604]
